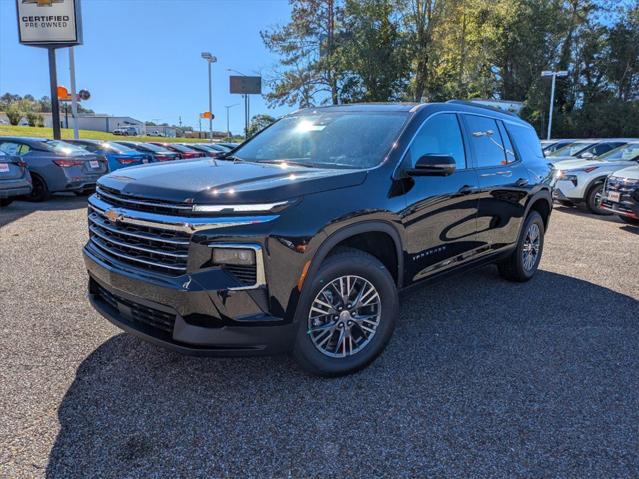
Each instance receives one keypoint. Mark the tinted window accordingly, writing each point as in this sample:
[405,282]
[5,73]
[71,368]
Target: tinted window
[510,151]
[486,141]
[440,135]
[526,141]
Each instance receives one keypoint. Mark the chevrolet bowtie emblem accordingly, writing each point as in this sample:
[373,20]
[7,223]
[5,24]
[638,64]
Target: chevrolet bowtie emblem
[43,3]
[113,215]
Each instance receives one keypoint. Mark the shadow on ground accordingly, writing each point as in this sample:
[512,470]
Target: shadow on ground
[57,202]
[482,378]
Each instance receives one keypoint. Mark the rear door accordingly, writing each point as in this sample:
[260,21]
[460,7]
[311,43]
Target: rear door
[504,181]
[440,217]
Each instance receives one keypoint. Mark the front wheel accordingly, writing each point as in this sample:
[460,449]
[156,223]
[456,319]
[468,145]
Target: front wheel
[40,191]
[522,264]
[593,200]
[349,315]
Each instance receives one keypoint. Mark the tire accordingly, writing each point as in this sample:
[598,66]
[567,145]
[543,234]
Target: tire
[515,267]
[5,202]
[591,200]
[357,350]
[40,191]
[630,221]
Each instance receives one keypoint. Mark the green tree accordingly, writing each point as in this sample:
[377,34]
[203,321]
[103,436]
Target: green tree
[258,123]
[308,74]
[374,57]
[14,115]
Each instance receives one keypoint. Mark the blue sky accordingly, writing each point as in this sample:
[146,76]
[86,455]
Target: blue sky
[141,58]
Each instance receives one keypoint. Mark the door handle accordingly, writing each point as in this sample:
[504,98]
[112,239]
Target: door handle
[465,190]
[521,182]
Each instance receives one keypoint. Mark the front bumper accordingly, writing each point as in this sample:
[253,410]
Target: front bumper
[179,314]
[566,190]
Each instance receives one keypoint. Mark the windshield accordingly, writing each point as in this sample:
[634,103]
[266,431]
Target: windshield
[623,153]
[338,139]
[63,147]
[573,148]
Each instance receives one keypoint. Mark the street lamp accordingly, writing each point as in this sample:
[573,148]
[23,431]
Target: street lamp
[228,129]
[247,105]
[210,59]
[554,75]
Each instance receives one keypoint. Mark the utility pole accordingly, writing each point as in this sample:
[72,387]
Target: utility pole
[228,128]
[554,75]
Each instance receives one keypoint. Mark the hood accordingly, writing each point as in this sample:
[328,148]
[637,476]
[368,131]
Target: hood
[203,181]
[631,173]
[575,164]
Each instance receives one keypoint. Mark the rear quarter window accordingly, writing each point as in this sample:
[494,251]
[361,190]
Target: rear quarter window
[526,141]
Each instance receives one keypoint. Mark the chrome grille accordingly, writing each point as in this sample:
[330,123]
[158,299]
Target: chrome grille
[161,250]
[122,200]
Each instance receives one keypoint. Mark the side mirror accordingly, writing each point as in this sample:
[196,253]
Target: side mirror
[587,154]
[433,165]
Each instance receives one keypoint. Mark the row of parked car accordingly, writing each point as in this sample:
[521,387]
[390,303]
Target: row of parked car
[33,168]
[602,174]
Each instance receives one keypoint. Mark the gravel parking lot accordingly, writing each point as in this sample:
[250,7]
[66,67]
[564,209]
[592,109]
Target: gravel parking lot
[482,378]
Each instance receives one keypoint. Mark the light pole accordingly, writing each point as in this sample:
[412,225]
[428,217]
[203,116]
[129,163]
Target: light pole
[247,105]
[554,75]
[210,59]
[228,128]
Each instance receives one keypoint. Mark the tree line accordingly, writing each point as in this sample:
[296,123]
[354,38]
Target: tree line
[343,51]
[17,107]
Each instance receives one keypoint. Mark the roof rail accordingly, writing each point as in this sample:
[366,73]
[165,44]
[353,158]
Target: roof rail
[480,105]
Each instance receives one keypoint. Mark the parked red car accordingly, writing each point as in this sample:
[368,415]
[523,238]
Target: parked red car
[185,152]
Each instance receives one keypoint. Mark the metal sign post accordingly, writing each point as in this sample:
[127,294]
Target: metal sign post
[50,24]
[74,97]
[554,75]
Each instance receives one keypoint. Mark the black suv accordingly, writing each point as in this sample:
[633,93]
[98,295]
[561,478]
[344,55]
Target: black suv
[300,239]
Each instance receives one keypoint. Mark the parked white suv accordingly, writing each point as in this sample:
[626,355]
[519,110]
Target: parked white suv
[582,180]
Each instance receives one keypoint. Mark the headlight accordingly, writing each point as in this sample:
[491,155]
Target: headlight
[234,256]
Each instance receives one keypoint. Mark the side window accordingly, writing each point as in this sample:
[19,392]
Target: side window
[10,148]
[23,149]
[486,141]
[526,141]
[601,149]
[439,135]
[510,151]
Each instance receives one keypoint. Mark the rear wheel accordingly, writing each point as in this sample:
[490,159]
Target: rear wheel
[522,264]
[349,317]
[629,220]
[40,191]
[593,200]
[5,201]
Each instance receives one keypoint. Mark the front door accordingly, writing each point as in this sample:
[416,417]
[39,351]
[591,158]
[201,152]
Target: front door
[440,215]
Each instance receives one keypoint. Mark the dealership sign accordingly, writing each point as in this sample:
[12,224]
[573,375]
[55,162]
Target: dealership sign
[49,23]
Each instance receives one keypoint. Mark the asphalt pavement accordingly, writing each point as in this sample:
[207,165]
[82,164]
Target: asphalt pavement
[483,378]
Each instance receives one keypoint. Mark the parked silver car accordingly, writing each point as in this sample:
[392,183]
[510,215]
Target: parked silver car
[15,179]
[55,165]
[582,180]
[586,149]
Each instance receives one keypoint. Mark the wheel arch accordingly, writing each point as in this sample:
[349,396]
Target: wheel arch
[542,203]
[352,236]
